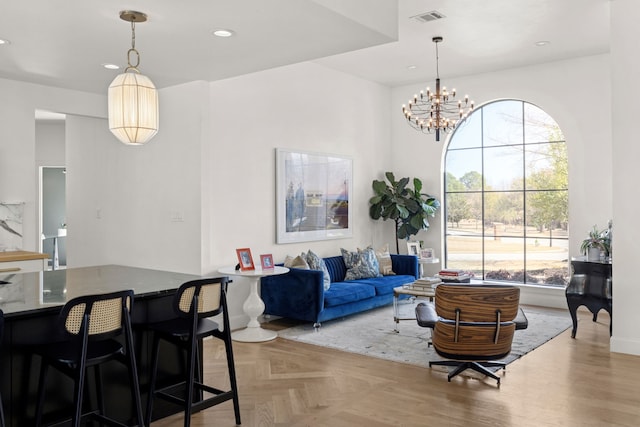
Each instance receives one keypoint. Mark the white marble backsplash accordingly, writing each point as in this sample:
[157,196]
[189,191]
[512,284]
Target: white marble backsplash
[11,215]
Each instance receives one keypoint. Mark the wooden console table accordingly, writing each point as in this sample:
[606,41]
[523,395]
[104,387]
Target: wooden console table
[590,286]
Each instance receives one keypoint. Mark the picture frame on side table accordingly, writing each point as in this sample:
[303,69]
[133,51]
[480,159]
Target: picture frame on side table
[426,253]
[245,260]
[314,195]
[266,260]
[413,248]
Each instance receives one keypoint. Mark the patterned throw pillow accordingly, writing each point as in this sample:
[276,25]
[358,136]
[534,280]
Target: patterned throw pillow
[317,263]
[361,265]
[297,262]
[384,260]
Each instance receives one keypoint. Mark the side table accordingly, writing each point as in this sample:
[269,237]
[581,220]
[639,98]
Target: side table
[426,262]
[424,292]
[253,305]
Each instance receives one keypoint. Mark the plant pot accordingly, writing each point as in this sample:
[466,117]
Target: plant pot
[593,255]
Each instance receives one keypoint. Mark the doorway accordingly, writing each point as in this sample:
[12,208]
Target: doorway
[53,224]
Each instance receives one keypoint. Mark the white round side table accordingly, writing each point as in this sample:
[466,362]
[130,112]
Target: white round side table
[253,305]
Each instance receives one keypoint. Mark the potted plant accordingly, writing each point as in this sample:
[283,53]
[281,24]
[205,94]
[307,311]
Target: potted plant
[408,207]
[596,242]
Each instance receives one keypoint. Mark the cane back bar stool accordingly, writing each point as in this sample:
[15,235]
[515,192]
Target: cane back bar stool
[89,326]
[193,304]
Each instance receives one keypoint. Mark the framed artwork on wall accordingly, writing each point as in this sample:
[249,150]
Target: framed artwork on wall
[313,194]
[245,259]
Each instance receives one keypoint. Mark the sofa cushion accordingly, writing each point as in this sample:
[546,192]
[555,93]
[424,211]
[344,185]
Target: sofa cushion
[384,260]
[361,264]
[346,292]
[384,285]
[317,263]
[296,262]
[337,269]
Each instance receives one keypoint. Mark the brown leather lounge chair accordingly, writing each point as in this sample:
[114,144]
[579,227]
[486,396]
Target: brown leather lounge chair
[473,325]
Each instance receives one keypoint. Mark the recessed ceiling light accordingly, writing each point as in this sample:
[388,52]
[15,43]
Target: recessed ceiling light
[412,67]
[111,66]
[223,33]
[542,43]
[3,41]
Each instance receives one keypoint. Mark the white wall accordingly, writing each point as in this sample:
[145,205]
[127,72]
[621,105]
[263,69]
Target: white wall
[306,107]
[626,152]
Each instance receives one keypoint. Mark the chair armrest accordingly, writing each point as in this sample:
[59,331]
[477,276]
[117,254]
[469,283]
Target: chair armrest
[406,265]
[521,320]
[426,315]
[298,294]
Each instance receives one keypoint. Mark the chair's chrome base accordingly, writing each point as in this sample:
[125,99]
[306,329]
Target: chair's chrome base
[461,366]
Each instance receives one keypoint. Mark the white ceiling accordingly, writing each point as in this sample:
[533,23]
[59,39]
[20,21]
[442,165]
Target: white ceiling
[64,42]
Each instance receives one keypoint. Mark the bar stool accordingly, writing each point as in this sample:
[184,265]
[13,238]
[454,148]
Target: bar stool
[89,326]
[193,303]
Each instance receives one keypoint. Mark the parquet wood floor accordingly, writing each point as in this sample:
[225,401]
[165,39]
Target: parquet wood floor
[565,382]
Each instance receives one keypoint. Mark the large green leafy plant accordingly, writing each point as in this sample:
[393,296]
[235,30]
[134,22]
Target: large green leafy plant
[408,207]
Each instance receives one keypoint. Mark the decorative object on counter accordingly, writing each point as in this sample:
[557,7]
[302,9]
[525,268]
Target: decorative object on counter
[597,242]
[245,259]
[133,98]
[408,208]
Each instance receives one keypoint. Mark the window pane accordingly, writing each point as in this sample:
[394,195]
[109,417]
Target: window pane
[505,213]
[503,167]
[464,213]
[539,126]
[463,162]
[468,134]
[502,123]
[547,237]
[547,166]
[465,252]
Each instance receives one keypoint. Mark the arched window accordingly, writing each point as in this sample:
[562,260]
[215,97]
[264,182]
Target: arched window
[506,195]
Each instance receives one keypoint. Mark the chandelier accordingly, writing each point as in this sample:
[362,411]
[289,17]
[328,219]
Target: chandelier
[436,111]
[133,98]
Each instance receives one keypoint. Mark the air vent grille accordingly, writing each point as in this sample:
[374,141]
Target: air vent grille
[429,16]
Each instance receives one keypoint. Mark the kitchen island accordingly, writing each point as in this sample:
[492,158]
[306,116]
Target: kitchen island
[31,303]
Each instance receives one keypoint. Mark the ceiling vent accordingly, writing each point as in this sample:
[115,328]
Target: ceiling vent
[429,16]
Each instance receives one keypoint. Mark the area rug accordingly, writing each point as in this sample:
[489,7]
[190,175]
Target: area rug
[372,334]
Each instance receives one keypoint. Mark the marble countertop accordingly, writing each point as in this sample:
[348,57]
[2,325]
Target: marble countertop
[23,294]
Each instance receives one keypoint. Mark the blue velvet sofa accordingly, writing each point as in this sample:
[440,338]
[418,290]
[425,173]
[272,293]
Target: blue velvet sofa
[300,293]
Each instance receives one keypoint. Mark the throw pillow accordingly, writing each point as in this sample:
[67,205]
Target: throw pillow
[317,263]
[384,261]
[360,265]
[297,262]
